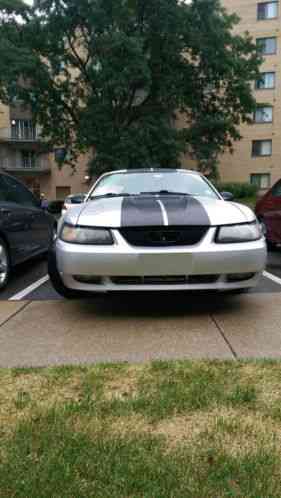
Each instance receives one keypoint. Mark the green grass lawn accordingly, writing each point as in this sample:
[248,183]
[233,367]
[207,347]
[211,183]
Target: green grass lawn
[179,429]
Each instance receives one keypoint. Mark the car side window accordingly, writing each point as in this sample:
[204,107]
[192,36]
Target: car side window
[276,190]
[13,191]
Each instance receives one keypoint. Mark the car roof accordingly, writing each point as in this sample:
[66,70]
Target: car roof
[3,173]
[152,170]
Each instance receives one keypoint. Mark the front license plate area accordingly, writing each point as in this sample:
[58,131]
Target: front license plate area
[166,264]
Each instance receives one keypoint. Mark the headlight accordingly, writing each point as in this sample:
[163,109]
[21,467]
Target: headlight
[246,232]
[81,235]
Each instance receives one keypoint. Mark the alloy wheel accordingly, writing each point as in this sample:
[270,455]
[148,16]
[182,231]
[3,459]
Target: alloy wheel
[4,265]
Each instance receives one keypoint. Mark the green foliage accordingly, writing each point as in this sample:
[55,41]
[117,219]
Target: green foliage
[239,190]
[109,77]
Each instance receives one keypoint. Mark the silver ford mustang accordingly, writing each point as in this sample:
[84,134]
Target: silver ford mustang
[156,229]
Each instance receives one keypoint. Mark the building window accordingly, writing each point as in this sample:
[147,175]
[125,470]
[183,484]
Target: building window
[23,129]
[261,148]
[267,81]
[267,10]
[28,159]
[261,180]
[263,114]
[267,46]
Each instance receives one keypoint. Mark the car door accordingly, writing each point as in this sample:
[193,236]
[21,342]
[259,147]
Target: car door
[42,227]
[37,223]
[15,224]
[272,212]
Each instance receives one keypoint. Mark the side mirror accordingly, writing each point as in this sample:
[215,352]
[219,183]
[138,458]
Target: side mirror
[78,199]
[227,196]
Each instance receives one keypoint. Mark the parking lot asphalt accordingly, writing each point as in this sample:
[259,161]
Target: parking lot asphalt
[42,329]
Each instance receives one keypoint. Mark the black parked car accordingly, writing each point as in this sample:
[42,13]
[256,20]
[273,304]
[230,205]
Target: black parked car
[55,207]
[26,230]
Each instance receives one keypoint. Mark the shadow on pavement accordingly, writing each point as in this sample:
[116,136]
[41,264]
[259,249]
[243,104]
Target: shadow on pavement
[158,304]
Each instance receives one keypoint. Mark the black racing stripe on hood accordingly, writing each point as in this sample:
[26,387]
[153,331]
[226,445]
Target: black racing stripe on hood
[141,211]
[185,210]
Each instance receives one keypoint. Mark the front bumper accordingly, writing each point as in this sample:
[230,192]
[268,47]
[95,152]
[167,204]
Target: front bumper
[123,260]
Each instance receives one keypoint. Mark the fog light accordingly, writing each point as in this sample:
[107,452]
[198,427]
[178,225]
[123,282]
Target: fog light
[88,279]
[239,277]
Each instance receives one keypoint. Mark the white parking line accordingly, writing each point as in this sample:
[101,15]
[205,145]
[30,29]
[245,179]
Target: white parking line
[29,289]
[275,279]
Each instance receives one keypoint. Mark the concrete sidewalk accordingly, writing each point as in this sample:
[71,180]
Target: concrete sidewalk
[138,328]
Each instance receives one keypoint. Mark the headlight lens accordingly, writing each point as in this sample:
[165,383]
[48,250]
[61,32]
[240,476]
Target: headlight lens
[84,235]
[247,232]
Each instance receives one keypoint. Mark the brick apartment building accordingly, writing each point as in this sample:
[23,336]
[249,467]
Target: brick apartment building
[23,154]
[256,158]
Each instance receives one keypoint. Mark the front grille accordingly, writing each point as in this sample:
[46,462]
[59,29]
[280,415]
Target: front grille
[163,236]
[88,279]
[239,277]
[165,279]
[126,280]
[202,279]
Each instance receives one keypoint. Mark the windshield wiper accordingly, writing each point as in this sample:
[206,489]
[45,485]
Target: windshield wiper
[166,192]
[110,194]
[125,194]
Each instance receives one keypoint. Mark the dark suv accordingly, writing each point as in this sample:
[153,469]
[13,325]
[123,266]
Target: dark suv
[26,230]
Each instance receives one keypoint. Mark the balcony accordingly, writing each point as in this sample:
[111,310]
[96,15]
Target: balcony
[28,139]
[40,166]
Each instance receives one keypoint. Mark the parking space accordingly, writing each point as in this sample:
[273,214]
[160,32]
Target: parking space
[23,276]
[42,328]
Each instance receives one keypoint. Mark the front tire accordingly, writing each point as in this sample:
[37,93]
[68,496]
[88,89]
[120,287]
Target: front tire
[5,264]
[271,246]
[236,292]
[56,280]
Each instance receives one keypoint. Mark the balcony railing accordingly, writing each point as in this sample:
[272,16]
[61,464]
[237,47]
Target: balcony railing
[15,135]
[39,165]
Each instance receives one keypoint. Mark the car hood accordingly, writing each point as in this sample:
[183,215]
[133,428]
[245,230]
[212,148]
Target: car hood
[151,210]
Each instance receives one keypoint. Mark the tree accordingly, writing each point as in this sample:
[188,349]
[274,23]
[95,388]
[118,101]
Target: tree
[110,76]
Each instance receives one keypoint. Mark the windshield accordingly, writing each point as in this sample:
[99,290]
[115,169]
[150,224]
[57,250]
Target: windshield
[153,182]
